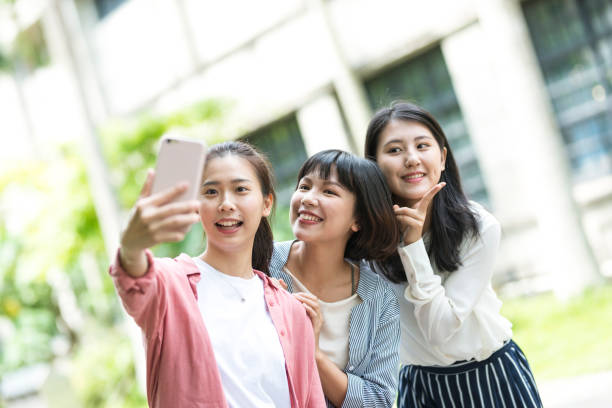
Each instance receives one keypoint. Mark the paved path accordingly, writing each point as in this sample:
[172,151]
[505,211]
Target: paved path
[586,391]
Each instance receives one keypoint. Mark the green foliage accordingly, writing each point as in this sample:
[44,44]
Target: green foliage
[104,373]
[564,339]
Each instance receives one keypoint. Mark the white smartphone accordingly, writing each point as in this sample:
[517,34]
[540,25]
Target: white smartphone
[179,160]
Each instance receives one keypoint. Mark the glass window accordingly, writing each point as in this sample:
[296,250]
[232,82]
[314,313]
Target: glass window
[573,42]
[282,143]
[105,7]
[426,81]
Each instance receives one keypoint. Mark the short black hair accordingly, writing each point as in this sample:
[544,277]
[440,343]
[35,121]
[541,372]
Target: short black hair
[378,234]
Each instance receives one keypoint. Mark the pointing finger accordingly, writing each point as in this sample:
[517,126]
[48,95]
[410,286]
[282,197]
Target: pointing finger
[423,203]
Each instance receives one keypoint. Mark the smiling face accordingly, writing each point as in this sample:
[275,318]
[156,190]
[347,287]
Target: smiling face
[410,158]
[231,203]
[322,210]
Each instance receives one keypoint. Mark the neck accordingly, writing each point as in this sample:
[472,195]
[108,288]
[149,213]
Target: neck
[234,263]
[318,264]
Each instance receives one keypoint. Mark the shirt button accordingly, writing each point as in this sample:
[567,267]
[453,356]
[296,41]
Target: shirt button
[351,367]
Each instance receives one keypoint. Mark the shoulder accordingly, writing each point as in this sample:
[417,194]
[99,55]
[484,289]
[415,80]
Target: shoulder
[486,220]
[376,288]
[489,229]
[280,254]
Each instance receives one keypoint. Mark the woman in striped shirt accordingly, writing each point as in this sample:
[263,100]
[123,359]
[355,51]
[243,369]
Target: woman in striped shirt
[456,347]
[341,212]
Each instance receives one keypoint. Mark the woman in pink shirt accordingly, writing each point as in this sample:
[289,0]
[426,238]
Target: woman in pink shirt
[218,332]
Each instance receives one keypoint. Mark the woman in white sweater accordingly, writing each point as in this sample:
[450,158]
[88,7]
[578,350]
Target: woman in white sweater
[456,347]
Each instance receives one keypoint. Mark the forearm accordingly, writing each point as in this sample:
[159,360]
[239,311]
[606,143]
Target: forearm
[333,380]
[135,263]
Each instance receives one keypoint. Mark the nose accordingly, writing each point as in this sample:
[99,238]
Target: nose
[308,199]
[412,159]
[227,204]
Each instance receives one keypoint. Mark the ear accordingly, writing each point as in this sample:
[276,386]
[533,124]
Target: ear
[268,203]
[443,158]
[355,227]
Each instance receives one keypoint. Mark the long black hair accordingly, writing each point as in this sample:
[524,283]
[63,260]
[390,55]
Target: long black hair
[452,218]
[378,232]
[263,244]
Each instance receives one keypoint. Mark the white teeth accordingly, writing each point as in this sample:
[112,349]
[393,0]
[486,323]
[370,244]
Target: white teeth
[228,223]
[414,176]
[308,217]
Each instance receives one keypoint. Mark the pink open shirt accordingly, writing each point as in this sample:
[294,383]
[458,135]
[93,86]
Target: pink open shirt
[181,367]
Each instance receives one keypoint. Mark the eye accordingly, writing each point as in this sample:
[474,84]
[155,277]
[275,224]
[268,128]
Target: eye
[209,191]
[423,145]
[330,192]
[303,187]
[242,189]
[394,149]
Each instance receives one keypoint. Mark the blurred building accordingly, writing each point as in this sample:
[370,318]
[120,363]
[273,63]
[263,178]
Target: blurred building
[522,88]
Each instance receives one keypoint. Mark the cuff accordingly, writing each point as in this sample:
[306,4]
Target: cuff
[415,260]
[354,391]
[124,281]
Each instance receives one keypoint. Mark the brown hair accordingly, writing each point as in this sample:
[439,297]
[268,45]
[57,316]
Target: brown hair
[263,243]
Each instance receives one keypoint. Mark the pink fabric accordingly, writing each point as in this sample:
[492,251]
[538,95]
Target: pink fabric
[181,367]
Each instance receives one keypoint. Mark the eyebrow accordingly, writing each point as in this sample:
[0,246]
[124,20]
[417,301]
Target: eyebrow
[326,182]
[234,181]
[402,141]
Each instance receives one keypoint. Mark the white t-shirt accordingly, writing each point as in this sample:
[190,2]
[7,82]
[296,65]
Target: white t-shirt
[334,335]
[449,317]
[246,344]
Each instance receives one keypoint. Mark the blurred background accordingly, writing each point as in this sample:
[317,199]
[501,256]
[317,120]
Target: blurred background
[523,90]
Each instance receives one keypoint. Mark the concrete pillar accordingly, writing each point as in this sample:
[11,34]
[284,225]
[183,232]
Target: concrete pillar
[349,88]
[537,146]
[476,86]
[321,125]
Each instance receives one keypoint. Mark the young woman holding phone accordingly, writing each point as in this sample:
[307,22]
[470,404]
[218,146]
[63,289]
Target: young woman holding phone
[218,331]
[341,213]
[456,347]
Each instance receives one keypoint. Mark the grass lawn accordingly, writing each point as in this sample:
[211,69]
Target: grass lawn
[564,339]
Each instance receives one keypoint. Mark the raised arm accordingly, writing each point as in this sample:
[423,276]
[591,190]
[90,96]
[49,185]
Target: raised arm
[154,219]
[136,275]
[440,309]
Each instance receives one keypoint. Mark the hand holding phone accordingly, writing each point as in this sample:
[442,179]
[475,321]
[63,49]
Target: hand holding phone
[167,205]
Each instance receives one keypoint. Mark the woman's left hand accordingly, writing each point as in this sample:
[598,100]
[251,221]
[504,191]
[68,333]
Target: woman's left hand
[311,304]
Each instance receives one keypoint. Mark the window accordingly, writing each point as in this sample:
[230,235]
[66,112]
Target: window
[282,143]
[573,42]
[425,81]
[105,7]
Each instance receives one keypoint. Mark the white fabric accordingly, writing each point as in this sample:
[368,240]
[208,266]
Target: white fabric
[334,335]
[245,341]
[449,317]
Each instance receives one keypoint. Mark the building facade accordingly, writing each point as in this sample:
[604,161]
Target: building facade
[522,88]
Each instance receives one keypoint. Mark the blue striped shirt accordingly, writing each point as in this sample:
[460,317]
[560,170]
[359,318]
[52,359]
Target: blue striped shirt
[374,335]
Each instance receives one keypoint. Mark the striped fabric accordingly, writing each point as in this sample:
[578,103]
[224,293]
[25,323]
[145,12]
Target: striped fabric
[502,380]
[374,335]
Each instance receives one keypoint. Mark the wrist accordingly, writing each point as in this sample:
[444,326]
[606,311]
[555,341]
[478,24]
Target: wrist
[130,256]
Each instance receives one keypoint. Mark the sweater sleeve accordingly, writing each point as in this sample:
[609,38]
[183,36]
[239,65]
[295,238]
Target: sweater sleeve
[440,309]
[143,297]
[377,387]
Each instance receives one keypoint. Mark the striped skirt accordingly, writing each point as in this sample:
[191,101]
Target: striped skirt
[502,380]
